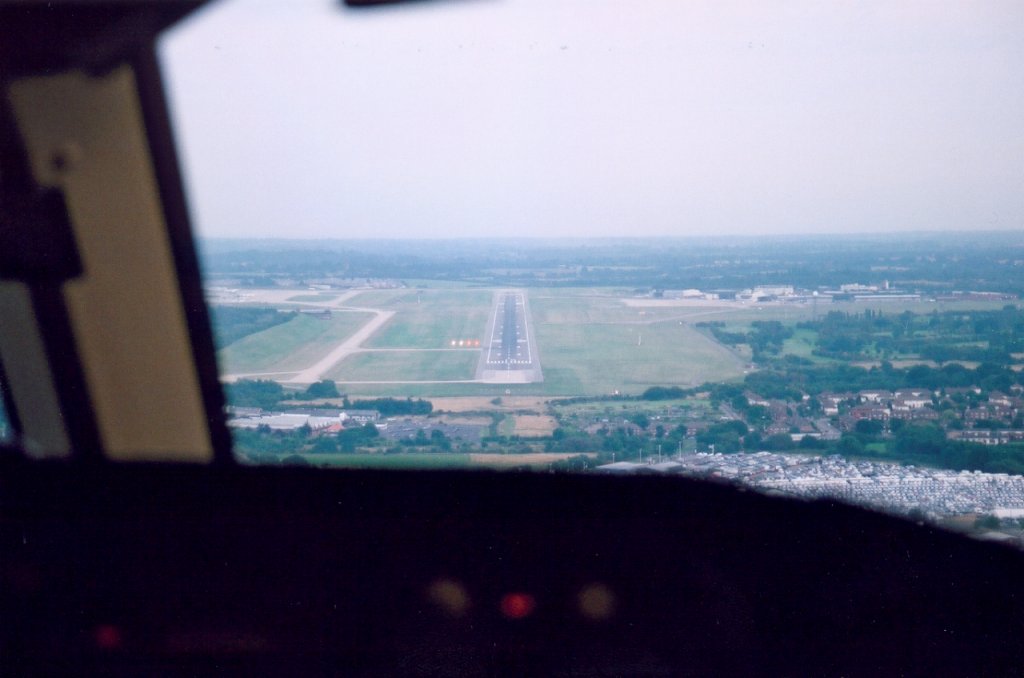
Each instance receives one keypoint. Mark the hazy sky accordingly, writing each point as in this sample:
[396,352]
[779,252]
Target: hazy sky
[602,118]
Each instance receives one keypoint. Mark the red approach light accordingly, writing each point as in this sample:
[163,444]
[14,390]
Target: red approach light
[517,605]
[107,637]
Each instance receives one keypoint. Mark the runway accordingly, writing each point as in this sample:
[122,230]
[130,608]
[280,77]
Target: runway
[511,354]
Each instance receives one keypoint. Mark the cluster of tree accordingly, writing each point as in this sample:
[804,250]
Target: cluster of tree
[989,336]
[347,440]
[437,439]
[618,440]
[576,464]
[569,441]
[269,394]
[717,329]
[264,445]
[613,439]
[665,393]
[390,407]
[724,437]
[260,393]
[765,337]
[231,323]
[324,388]
[927,444]
[576,400]
[756,415]
[790,379]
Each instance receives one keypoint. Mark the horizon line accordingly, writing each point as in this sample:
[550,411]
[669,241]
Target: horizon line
[540,238]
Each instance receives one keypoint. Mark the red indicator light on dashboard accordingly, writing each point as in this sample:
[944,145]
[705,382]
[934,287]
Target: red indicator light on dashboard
[517,605]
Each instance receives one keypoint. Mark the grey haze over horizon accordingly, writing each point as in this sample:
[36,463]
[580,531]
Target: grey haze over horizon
[579,119]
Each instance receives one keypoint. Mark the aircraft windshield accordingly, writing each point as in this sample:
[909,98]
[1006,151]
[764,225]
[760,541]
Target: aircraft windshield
[778,246]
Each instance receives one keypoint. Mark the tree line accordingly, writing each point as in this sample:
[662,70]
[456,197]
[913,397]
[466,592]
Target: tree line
[269,395]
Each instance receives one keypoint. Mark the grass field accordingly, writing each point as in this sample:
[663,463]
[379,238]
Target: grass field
[406,460]
[582,305]
[801,344]
[293,345]
[440,284]
[313,297]
[487,391]
[406,366]
[594,345]
[429,318]
[385,299]
[591,341]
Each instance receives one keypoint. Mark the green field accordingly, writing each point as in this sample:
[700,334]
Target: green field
[591,341]
[407,460]
[313,297]
[384,299]
[428,318]
[426,390]
[293,345]
[594,359]
[407,366]
[593,345]
[801,344]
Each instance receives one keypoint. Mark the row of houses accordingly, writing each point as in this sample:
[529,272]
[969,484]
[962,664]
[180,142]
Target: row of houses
[784,418]
[988,436]
[994,419]
[903,400]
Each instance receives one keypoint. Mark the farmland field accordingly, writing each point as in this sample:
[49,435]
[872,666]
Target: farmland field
[527,425]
